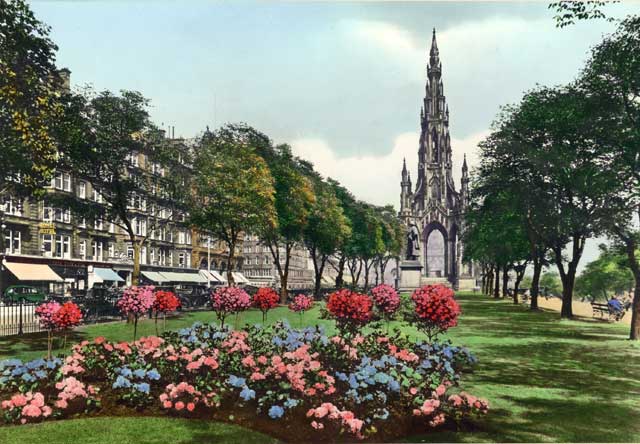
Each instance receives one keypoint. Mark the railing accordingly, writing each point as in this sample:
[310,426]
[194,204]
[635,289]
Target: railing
[18,319]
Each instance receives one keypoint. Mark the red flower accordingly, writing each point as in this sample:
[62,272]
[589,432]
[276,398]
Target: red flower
[349,305]
[436,307]
[265,299]
[165,302]
[67,316]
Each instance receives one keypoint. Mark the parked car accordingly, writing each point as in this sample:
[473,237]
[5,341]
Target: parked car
[25,293]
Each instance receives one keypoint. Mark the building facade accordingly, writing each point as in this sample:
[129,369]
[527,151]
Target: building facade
[434,206]
[261,270]
[37,232]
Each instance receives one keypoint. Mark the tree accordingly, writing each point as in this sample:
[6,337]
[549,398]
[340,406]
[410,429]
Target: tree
[327,229]
[30,86]
[348,204]
[609,274]
[551,284]
[611,80]
[294,200]
[569,11]
[109,142]
[393,235]
[233,189]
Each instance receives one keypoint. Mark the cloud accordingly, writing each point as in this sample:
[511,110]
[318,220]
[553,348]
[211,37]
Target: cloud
[376,179]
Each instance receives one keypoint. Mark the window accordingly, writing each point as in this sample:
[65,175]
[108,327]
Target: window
[12,241]
[63,247]
[82,249]
[97,250]
[11,206]
[112,227]
[47,245]
[112,250]
[162,256]
[98,224]
[96,197]
[184,237]
[152,256]
[140,227]
[47,214]
[82,190]
[143,255]
[61,181]
[133,160]
[170,259]
[83,222]
[62,215]
[130,252]
[182,260]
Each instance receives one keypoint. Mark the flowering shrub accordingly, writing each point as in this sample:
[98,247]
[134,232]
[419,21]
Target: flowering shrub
[264,300]
[75,396]
[350,310]
[23,408]
[46,318]
[386,299]
[436,309]
[133,386]
[164,302]
[134,302]
[16,375]
[300,304]
[228,300]
[67,316]
[184,398]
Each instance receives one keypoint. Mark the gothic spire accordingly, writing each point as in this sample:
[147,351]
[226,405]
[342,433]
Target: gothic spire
[434,59]
[464,165]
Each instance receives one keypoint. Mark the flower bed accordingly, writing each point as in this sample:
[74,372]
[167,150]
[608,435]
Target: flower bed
[290,383]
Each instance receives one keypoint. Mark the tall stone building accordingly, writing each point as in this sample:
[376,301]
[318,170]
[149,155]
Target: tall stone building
[260,268]
[50,247]
[434,206]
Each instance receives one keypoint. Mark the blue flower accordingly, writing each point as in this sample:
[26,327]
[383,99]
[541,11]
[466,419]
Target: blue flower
[18,371]
[28,378]
[425,363]
[126,372]
[381,378]
[53,363]
[247,393]
[143,387]
[384,415]
[394,385]
[234,381]
[40,374]
[341,376]
[276,412]
[121,382]
[10,363]
[35,364]
[353,383]
[139,373]
[153,374]
[291,403]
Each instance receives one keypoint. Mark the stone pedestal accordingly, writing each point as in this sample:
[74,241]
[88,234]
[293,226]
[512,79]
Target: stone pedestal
[466,284]
[410,275]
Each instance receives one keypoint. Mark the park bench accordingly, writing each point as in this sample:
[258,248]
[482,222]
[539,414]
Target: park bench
[603,310]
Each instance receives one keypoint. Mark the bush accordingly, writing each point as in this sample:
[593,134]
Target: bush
[229,300]
[350,310]
[264,300]
[435,309]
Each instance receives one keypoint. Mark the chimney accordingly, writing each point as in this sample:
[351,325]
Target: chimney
[64,76]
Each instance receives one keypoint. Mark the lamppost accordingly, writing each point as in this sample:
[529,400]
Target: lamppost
[209,261]
[2,254]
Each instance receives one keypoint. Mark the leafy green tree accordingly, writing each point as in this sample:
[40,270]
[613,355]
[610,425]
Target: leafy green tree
[607,275]
[233,190]
[294,200]
[348,203]
[393,235]
[551,284]
[108,141]
[611,80]
[326,231]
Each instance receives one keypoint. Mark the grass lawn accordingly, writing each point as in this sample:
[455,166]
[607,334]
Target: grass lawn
[546,380]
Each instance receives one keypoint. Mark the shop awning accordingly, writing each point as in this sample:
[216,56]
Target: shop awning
[33,272]
[107,274]
[222,277]
[209,276]
[190,278]
[328,280]
[240,279]
[154,276]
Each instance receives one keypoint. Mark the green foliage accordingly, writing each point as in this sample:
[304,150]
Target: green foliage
[607,275]
[570,11]
[29,91]
[550,284]
[232,188]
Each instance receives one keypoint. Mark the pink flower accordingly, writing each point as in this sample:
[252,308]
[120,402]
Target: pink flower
[179,405]
[413,390]
[62,404]
[191,406]
[19,400]
[31,410]
[317,425]
[167,404]
[440,390]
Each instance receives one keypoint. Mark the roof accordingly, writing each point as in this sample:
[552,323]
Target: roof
[107,274]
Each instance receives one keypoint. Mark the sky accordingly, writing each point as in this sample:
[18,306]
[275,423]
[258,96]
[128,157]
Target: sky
[341,82]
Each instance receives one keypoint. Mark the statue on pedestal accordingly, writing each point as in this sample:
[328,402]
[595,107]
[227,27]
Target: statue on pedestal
[413,242]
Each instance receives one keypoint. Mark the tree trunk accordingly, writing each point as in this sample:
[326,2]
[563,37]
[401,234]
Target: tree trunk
[535,282]
[516,286]
[340,269]
[568,276]
[484,278]
[496,289]
[135,276]
[630,246]
[505,281]
[284,274]
[230,263]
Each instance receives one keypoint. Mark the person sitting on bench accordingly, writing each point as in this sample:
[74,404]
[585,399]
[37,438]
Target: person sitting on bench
[614,305]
